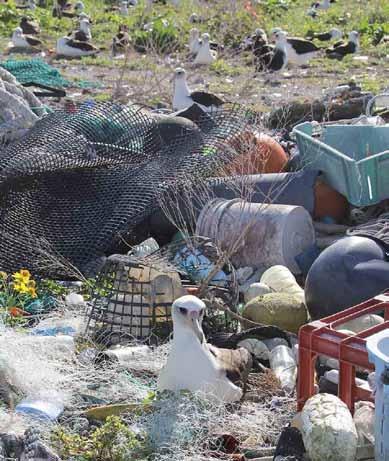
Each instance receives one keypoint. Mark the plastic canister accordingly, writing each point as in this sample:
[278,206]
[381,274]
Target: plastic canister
[268,234]
[284,366]
[47,406]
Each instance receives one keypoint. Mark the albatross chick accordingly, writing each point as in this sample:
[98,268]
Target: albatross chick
[194,365]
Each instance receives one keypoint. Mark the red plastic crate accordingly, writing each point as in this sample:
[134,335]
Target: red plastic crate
[321,338]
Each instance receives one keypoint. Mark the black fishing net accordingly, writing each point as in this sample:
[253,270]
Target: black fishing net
[78,183]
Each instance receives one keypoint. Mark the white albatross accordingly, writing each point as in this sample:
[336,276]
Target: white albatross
[205,55]
[183,97]
[68,47]
[20,40]
[194,41]
[193,364]
[299,51]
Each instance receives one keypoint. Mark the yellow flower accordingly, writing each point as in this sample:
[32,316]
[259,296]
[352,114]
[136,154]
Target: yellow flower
[25,273]
[32,292]
[21,287]
[22,276]
[31,284]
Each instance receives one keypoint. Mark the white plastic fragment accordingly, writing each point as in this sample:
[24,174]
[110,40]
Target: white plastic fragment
[74,299]
[328,429]
[284,366]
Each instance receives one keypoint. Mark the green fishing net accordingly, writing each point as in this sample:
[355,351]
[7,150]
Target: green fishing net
[38,71]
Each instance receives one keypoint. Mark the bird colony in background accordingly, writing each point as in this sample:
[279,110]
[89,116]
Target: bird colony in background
[272,53]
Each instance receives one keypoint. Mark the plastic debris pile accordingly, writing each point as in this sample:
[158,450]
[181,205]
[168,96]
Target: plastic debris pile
[268,268]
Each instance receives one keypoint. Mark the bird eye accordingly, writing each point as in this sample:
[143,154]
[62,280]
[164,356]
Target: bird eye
[183,310]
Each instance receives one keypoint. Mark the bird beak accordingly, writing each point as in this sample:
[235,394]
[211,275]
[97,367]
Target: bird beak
[196,326]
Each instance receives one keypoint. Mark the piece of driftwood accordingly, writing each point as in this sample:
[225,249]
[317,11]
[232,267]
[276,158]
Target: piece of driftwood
[292,114]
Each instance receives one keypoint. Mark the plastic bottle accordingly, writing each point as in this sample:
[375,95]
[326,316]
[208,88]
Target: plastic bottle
[47,406]
[145,248]
[284,366]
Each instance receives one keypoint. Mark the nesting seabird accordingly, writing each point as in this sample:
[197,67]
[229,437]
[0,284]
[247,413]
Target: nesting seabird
[121,41]
[340,50]
[333,34]
[79,7]
[68,47]
[262,50]
[299,50]
[29,27]
[279,59]
[194,41]
[195,18]
[196,366]
[30,5]
[183,97]
[123,10]
[83,15]
[83,34]
[205,55]
[317,6]
[20,40]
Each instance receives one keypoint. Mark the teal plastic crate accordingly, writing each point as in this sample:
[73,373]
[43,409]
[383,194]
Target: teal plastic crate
[354,159]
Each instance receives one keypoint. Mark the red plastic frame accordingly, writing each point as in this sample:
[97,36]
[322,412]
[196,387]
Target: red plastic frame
[321,338]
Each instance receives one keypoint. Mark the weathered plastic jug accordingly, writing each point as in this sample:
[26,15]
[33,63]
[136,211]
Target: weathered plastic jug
[268,234]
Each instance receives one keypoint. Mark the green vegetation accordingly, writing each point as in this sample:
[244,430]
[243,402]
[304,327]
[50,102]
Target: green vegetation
[113,441]
[159,36]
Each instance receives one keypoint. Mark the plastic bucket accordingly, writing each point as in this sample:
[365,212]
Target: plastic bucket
[259,235]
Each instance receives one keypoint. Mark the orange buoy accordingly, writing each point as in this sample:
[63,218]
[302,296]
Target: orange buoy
[257,153]
[329,202]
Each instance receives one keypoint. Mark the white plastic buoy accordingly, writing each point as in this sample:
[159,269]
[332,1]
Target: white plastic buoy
[328,429]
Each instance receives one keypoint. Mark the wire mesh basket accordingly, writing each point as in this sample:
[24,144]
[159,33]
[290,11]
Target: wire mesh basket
[132,300]
[132,297]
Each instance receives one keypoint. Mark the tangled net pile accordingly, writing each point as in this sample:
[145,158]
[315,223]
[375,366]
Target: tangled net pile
[39,72]
[180,427]
[78,183]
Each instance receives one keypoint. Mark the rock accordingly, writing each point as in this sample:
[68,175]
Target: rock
[280,309]
[328,429]
[255,347]
[12,445]
[35,449]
